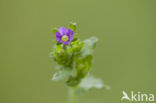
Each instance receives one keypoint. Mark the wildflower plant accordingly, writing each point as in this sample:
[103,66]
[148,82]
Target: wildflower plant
[74,59]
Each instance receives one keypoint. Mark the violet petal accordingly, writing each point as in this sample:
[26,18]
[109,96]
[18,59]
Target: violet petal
[58,37]
[62,30]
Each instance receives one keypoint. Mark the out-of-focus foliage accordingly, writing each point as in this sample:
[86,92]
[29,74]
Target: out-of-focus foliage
[91,82]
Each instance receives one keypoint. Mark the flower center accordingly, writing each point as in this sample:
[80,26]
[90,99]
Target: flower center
[65,38]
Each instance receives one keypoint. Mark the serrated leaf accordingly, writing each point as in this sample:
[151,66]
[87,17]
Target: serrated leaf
[91,82]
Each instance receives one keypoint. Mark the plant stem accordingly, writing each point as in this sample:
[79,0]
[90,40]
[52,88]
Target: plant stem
[72,97]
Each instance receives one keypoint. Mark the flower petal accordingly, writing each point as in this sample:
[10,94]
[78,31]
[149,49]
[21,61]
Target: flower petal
[70,34]
[66,42]
[58,36]
[62,30]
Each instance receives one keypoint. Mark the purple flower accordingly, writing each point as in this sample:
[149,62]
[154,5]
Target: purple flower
[64,35]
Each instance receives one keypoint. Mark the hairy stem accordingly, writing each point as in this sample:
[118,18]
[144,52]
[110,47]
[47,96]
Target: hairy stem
[72,97]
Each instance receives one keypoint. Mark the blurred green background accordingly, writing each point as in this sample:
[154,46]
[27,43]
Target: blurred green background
[125,57]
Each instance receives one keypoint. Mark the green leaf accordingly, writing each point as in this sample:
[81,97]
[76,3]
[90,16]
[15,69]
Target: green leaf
[76,36]
[72,81]
[91,82]
[73,26]
[89,46]
[54,30]
[91,42]
[61,74]
[58,76]
[83,66]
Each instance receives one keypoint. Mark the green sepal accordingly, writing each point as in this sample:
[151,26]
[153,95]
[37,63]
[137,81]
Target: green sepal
[54,30]
[72,81]
[73,26]
[83,66]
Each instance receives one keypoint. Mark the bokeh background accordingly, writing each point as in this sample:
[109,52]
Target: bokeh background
[125,57]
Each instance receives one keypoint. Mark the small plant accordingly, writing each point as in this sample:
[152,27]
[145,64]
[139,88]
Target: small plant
[74,61]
